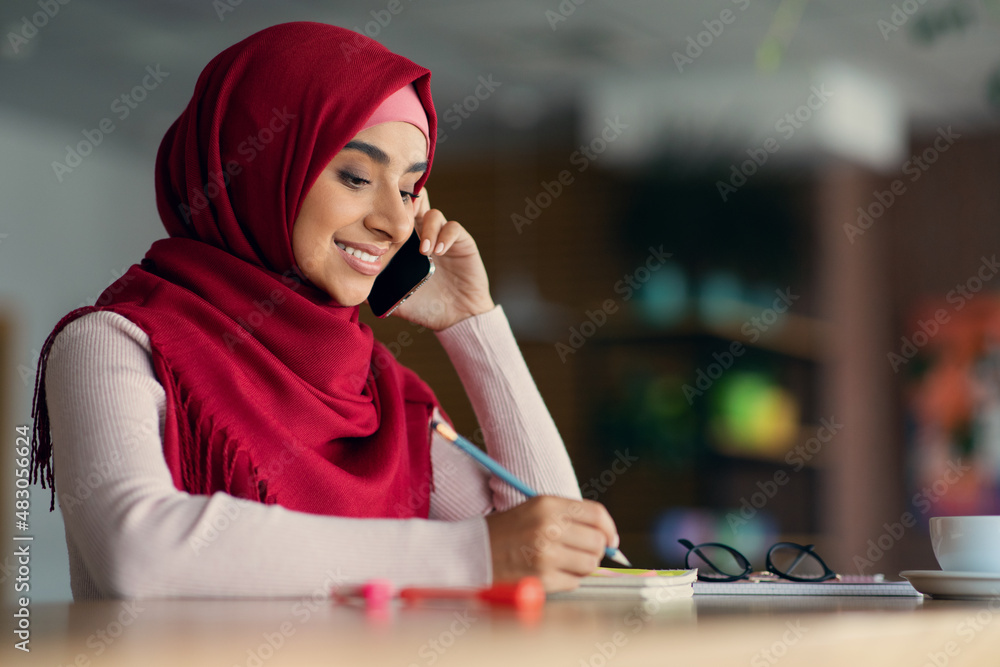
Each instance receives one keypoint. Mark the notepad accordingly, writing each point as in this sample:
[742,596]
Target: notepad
[632,584]
[849,588]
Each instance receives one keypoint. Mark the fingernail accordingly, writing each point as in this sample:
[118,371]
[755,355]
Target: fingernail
[425,246]
[616,541]
[439,249]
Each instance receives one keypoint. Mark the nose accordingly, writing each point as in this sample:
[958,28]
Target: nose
[391,217]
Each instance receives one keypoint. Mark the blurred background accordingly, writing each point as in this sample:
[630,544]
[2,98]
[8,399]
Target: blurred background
[747,246]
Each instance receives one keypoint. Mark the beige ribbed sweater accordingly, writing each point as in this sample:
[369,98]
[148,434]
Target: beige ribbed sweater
[131,533]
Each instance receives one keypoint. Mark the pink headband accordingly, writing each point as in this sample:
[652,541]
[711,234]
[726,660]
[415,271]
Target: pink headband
[402,105]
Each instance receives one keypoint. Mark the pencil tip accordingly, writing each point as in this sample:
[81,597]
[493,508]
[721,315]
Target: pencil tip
[619,558]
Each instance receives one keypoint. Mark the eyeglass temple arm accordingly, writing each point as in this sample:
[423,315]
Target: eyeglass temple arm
[691,547]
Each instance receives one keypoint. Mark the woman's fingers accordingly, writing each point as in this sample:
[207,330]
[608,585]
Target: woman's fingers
[437,233]
[429,228]
[555,539]
[597,516]
[586,539]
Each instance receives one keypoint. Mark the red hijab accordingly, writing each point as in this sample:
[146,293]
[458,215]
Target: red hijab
[274,392]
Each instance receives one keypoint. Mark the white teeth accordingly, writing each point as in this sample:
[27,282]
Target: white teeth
[360,254]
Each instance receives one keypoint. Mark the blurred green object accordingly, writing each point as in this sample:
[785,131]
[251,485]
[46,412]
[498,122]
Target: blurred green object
[752,412]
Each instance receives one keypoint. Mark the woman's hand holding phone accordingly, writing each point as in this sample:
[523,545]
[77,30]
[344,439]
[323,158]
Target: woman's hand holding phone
[459,287]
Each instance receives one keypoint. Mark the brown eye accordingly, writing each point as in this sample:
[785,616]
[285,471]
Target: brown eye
[353,180]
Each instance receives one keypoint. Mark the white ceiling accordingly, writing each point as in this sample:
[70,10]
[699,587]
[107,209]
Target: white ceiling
[93,50]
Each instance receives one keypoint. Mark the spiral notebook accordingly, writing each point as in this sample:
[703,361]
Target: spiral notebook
[869,586]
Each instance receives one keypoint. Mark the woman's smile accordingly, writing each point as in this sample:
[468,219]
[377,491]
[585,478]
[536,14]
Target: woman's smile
[361,261]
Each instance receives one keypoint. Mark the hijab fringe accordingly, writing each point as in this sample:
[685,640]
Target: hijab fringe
[40,462]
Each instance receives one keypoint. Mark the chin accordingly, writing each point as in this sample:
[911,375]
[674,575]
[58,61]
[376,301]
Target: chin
[350,301]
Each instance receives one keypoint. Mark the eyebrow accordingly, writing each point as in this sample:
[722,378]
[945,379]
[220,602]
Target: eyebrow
[377,154]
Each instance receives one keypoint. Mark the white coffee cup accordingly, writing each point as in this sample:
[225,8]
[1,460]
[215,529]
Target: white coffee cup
[966,543]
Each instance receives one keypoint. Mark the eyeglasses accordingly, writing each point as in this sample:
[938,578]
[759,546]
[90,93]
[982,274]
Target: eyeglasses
[718,562]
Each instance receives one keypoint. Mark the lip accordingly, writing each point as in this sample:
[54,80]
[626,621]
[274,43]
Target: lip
[358,264]
[365,247]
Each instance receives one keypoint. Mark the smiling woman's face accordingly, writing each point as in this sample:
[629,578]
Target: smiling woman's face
[360,211]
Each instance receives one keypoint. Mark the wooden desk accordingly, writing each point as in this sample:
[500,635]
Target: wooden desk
[702,632]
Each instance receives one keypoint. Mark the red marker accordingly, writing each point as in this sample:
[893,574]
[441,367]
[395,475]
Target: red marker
[527,593]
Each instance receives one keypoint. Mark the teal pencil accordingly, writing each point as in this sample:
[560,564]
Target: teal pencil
[507,476]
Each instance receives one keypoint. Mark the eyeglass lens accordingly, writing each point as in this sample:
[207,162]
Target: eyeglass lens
[796,561]
[717,562]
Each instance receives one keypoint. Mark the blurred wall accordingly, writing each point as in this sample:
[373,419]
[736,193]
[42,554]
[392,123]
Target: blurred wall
[65,242]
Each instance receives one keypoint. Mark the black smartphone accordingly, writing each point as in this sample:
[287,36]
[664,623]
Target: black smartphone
[406,271]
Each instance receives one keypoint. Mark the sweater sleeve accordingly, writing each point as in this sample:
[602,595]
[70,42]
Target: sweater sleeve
[136,535]
[517,428]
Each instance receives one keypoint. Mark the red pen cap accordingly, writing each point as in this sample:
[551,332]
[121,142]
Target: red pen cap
[526,593]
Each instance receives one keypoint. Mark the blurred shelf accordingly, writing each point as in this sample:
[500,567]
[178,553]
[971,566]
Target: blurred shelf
[799,451]
[798,336]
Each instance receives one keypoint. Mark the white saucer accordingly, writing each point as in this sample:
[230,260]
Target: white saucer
[954,585]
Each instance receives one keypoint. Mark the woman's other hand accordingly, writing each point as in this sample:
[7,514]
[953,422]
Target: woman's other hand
[555,539]
[459,287]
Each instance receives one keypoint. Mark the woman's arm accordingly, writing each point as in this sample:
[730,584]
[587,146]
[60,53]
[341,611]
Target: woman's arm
[517,427]
[139,536]
[557,536]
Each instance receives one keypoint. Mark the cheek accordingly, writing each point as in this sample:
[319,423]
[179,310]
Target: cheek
[307,247]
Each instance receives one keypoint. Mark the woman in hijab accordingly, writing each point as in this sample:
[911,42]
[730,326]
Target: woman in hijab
[221,423]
